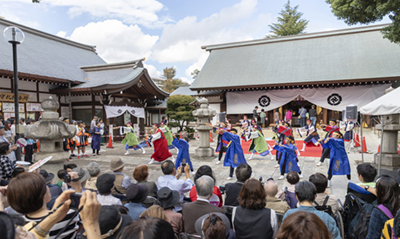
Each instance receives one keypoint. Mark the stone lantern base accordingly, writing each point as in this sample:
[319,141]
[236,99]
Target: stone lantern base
[389,161]
[204,152]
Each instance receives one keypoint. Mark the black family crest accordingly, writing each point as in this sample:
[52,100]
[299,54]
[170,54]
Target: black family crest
[334,99]
[264,101]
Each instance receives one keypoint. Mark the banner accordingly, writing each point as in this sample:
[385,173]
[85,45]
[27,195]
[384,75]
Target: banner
[330,98]
[136,129]
[115,111]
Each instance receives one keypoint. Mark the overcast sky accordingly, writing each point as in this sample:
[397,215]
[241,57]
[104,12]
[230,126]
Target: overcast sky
[168,33]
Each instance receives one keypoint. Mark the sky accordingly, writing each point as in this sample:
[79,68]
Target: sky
[167,33]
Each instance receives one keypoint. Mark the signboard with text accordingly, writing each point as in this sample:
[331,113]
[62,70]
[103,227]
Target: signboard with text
[9,97]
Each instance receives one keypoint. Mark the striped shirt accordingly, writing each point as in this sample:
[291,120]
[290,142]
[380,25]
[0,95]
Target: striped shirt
[70,232]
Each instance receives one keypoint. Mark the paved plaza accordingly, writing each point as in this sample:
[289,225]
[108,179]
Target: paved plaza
[262,166]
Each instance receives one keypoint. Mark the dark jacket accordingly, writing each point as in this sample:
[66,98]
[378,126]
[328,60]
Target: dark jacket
[232,193]
[193,211]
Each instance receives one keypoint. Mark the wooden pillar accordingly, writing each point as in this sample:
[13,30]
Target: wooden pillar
[325,115]
[93,106]
[37,91]
[159,115]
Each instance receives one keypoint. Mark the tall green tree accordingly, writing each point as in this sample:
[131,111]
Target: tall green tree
[179,110]
[289,22]
[364,12]
[170,83]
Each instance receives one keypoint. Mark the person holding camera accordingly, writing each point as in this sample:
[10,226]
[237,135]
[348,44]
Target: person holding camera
[33,204]
[172,181]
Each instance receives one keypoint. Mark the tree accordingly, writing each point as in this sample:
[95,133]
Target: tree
[364,12]
[169,73]
[171,83]
[195,73]
[179,110]
[289,23]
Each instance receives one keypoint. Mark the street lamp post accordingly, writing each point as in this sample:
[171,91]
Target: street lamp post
[15,36]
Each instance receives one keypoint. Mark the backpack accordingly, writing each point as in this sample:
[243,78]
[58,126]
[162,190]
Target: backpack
[356,216]
[289,197]
[324,207]
[387,231]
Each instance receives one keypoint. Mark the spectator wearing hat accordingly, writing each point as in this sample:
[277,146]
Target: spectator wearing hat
[274,203]
[104,185]
[55,190]
[111,221]
[215,225]
[6,165]
[154,211]
[194,210]
[94,171]
[136,193]
[78,179]
[122,182]
[171,179]
[167,199]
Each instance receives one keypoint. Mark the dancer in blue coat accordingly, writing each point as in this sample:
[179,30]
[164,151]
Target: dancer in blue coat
[183,154]
[339,162]
[234,152]
[288,161]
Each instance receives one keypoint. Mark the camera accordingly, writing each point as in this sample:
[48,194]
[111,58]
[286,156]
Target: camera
[75,200]
[68,179]
[222,189]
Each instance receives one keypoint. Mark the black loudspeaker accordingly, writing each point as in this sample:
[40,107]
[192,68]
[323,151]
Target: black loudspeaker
[351,112]
[221,117]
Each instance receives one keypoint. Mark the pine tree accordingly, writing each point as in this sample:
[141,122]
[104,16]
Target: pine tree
[364,12]
[289,23]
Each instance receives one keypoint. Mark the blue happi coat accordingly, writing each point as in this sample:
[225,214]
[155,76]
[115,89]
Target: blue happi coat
[288,153]
[183,147]
[338,158]
[234,153]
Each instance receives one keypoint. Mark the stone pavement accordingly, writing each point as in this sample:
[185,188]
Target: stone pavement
[262,166]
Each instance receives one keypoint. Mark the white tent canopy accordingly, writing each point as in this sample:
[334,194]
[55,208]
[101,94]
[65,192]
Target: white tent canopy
[385,105]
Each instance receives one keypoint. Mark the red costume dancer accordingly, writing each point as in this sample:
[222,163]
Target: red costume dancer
[161,151]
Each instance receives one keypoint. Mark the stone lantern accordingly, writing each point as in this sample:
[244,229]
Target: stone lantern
[390,155]
[50,131]
[203,114]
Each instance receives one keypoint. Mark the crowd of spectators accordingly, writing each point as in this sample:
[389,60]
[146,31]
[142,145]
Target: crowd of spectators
[88,203]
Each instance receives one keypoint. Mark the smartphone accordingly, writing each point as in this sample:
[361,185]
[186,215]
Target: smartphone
[183,165]
[75,200]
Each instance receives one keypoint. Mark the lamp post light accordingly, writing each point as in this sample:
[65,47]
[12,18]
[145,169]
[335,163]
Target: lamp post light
[15,36]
